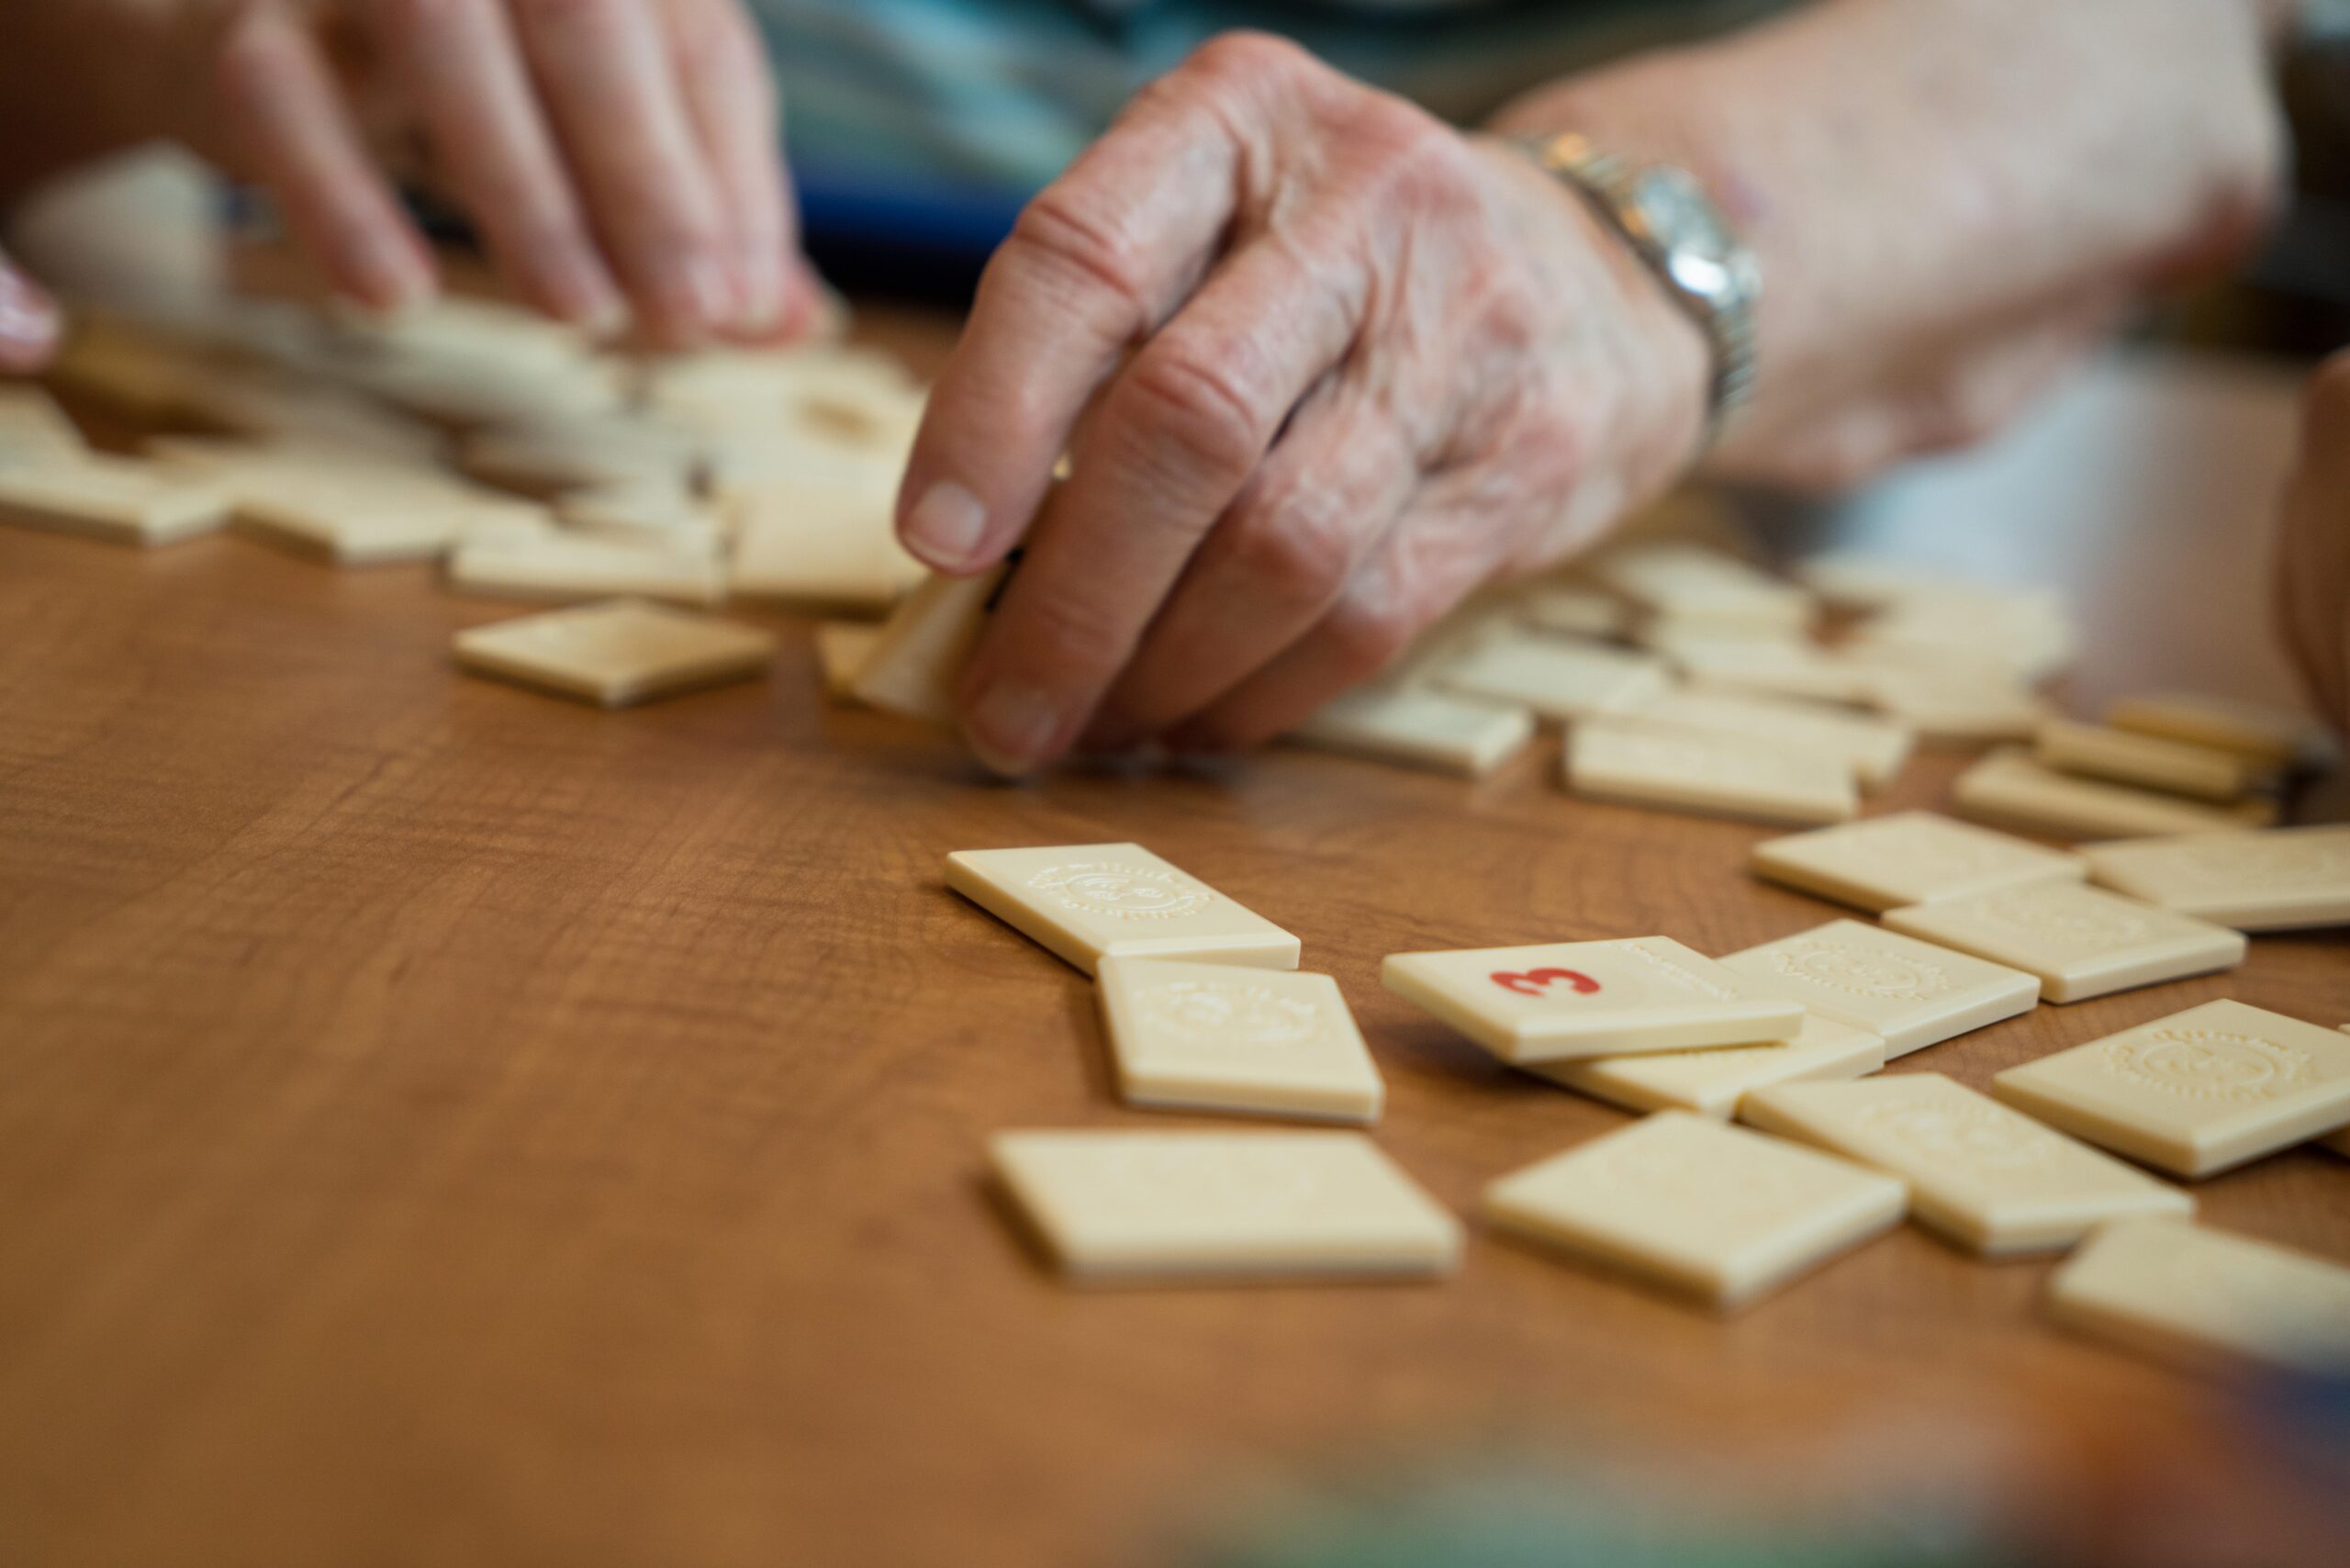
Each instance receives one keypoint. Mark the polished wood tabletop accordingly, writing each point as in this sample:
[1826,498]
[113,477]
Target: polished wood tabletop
[442,1123]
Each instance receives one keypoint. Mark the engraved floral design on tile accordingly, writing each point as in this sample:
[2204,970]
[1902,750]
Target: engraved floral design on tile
[1236,1018]
[1839,966]
[2208,1064]
[1122,891]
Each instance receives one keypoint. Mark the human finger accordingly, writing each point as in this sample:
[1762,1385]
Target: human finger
[285,116]
[617,106]
[1179,433]
[1095,264]
[1324,496]
[1444,546]
[29,325]
[730,101]
[459,63]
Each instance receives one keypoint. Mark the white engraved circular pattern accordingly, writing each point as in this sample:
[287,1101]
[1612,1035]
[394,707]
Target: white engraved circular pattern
[1123,891]
[1229,1016]
[2208,1064]
[1857,971]
[2066,914]
[1964,1134]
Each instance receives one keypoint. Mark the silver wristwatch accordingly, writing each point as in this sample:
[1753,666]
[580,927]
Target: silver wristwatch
[1683,237]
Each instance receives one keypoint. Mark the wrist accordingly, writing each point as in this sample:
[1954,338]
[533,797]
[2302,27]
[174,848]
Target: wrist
[1622,326]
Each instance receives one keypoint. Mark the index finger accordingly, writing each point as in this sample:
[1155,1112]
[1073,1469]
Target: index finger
[1097,261]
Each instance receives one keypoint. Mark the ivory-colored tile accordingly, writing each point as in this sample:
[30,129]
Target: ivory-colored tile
[2272,737]
[2195,1093]
[1221,1037]
[2080,941]
[912,668]
[821,545]
[2152,762]
[1768,666]
[1909,857]
[1556,679]
[1421,728]
[1571,609]
[2202,1298]
[1172,1207]
[1087,901]
[1693,770]
[1990,1178]
[616,654]
[1954,706]
[1873,749]
[569,567]
[1563,1000]
[2274,879]
[1912,993]
[1712,1083]
[33,429]
[2010,789]
[1698,1208]
[660,516]
[120,500]
[1701,589]
[842,649]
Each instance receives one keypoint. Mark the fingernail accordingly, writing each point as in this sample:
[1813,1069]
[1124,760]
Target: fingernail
[946,524]
[696,295]
[1012,727]
[761,298]
[389,276]
[581,291]
[29,324]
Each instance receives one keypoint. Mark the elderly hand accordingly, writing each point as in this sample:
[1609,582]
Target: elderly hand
[1321,364]
[609,150]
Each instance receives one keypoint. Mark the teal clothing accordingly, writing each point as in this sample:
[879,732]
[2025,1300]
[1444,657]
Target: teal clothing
[1000,94]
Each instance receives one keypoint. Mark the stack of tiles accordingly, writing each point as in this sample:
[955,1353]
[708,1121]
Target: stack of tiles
[539,463]
[1567,1001]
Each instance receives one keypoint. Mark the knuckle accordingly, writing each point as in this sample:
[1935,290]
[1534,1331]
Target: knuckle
[412,18]
[1247,55]
[1404,136]
[561,13]
[1069,631]
[1367,629]
[249,64]
[1194,398]
[1299,546]
[1060,234]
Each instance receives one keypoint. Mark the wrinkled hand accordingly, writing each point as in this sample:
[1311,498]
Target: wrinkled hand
[1322,366]
[609,150]
[2313,545]
[28,322]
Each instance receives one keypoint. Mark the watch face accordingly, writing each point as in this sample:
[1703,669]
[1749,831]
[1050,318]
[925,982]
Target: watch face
[1682,222]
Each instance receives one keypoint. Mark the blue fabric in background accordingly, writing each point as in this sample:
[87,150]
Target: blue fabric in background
[918,128]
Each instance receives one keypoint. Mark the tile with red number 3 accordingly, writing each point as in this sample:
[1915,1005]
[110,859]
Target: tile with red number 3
[1570,1000]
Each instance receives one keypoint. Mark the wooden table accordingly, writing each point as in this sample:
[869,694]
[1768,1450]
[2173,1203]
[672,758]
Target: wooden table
[439,1123]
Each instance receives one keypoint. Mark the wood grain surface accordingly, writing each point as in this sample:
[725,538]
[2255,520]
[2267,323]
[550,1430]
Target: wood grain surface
[440,1123]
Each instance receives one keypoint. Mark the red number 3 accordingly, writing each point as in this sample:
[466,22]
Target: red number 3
[1534,982]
